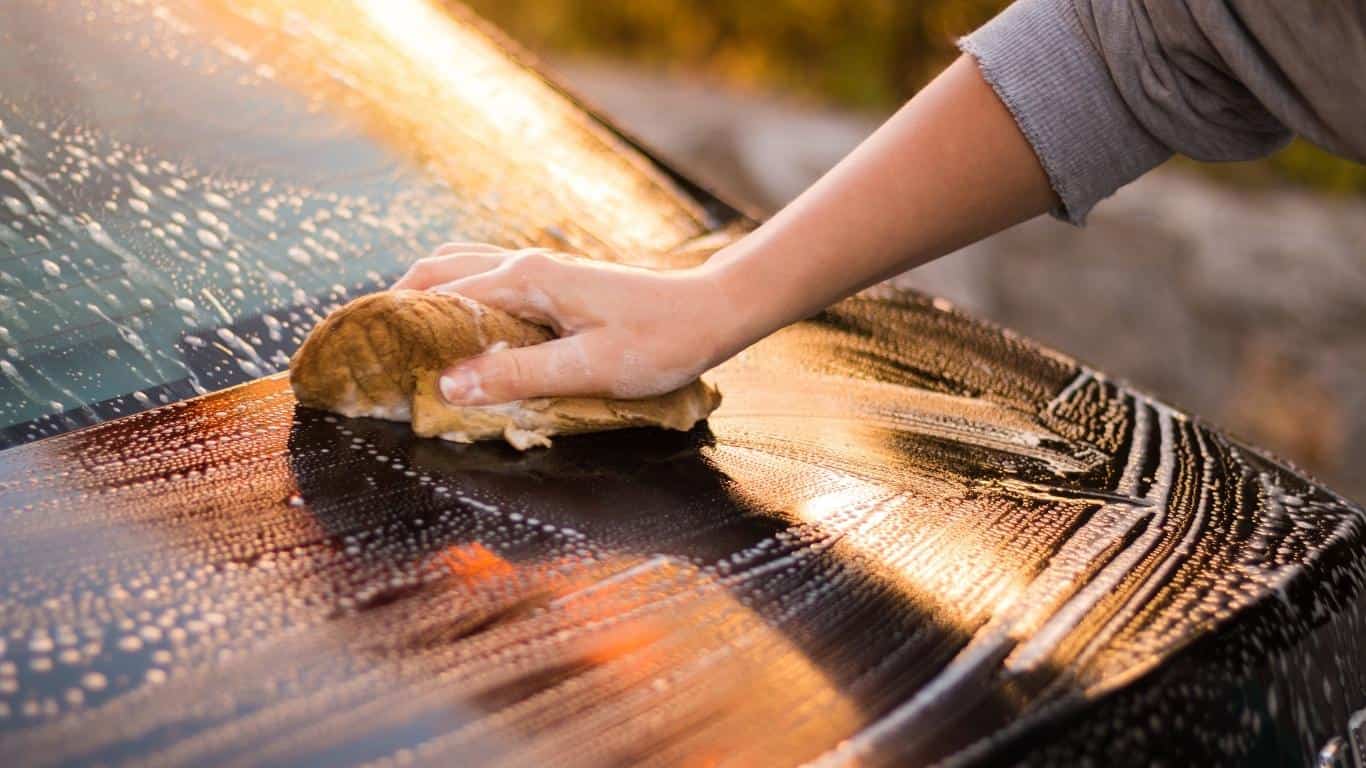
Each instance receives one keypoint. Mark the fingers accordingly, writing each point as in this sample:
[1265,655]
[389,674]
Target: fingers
[560,368]
[433,270]
[452,261]
[531,285]
[446,249]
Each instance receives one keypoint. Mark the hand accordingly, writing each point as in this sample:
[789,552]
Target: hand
[625,332]
[949,168]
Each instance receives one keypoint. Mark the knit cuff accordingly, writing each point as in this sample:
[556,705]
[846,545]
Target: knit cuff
[1042,65]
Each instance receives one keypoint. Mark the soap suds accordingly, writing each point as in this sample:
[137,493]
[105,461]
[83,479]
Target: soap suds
[340,367]
[395,412]
[522,439]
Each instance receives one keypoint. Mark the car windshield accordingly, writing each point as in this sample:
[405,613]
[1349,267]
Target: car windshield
[186,188]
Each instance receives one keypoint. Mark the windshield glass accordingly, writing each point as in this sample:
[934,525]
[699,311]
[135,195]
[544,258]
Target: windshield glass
[186,188]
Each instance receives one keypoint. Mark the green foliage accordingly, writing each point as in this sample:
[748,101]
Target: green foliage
[862,53]
[859,53]
[1303,162]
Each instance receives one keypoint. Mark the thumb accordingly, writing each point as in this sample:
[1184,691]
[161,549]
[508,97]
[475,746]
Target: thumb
[557,368]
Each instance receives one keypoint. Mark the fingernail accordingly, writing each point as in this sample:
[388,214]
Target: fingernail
[460,386]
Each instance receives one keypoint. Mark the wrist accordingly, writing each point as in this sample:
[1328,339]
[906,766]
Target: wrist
[735,306]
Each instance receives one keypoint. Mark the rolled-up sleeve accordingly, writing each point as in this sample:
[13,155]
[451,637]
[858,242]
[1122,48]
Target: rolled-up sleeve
[1106,89]
[1053,80]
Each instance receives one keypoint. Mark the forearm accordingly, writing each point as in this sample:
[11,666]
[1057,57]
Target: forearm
[947,169]
[951,167]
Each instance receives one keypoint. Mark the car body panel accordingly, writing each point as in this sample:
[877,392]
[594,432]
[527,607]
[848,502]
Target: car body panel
[905,537]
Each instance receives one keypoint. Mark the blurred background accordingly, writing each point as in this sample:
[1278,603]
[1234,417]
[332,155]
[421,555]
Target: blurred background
[1237,291]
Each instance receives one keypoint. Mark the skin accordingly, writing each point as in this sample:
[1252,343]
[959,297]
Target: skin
[949,168]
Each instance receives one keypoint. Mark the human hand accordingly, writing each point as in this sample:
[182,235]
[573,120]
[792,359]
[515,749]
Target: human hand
[625,332]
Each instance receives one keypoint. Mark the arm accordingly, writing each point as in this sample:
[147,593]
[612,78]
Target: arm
[949,168]
[1101,91]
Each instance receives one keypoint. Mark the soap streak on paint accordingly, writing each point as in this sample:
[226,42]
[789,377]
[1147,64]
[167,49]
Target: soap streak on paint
[882,549]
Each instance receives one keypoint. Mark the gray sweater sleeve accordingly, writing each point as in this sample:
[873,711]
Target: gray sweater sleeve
[1104,90]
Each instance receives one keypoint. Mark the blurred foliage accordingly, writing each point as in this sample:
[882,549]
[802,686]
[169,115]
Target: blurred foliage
[861,53]
[867,54]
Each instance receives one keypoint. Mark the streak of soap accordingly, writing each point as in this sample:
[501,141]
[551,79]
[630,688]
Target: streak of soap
[711,562]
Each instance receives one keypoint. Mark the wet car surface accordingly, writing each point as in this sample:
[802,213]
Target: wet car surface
[906,537]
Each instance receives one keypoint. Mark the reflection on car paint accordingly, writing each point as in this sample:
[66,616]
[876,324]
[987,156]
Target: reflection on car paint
[905,538]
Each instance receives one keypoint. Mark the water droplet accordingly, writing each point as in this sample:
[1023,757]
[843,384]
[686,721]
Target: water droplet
[209,239]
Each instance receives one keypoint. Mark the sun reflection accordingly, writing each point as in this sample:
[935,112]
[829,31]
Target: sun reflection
[473,564]
[957,575]
[638,633]
[955,564]
[431,85]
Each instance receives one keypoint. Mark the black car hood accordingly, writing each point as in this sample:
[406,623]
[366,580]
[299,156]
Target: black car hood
[905,537]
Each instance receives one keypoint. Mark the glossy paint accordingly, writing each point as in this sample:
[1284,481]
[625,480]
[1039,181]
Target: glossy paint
[905,538]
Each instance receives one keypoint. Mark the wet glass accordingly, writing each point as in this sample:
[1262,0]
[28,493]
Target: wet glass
[186,188]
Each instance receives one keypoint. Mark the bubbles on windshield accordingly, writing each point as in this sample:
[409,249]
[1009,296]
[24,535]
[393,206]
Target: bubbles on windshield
[208,239]
[119,266]
[185,191]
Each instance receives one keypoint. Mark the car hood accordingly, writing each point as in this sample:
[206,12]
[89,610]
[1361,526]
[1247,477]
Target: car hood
[906,536]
